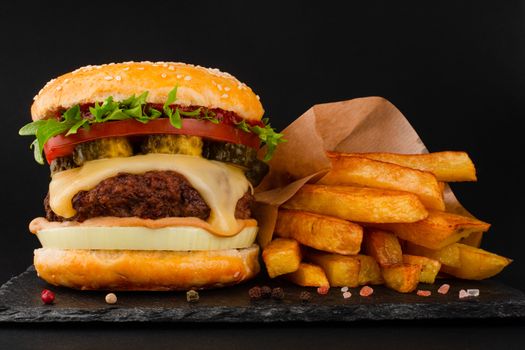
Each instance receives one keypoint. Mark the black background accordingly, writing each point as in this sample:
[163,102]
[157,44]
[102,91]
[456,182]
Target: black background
[456,70]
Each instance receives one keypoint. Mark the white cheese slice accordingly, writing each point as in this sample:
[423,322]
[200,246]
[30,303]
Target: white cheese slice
[220,185]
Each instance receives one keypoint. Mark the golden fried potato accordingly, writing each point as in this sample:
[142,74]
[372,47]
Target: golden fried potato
[370,273]
[281,256]
[358,203]
[383,246]
[473,240]
[319,231]
[341,270]
[403,278]
[360,171]
[308,275]
[476,264]
[446,166]
[437,230]
[448,255]
[429,267]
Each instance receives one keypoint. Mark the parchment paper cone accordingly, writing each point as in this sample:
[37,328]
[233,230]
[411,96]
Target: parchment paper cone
[370,124]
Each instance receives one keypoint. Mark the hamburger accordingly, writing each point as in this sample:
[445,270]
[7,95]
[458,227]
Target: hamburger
[153,167]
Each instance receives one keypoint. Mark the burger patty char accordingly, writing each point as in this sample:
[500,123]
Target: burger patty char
[152,195]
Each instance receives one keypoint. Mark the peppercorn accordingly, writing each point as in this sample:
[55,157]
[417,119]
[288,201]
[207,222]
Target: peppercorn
[266,291]
[111,298]
[192,296]
[305,296]
[278,293]
[47,296]
[255,293]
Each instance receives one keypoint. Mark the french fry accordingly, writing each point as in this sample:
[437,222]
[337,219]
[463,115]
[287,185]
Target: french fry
[403,278]
[446,166]
[358,203]
[448,256]
[437,230]
[383,246]
[319,231]
[476,264]
[281,256]
[473,240]
[369,273]
[308,275]
[341,270]
[429,267]
[349,170]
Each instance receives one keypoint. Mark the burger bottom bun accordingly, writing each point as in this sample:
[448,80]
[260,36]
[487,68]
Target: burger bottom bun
[141,270]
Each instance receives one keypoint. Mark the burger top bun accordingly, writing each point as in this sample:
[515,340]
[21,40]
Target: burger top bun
[197,86]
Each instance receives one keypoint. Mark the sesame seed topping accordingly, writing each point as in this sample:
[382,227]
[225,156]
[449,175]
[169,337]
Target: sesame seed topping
[213,82]
[219,86]
[187,77]
[344,289]
[125,68]
[179,76]
[140,68]
[171,68]
[227,88]
[163,75]
[257,97]
[108,77]
[66,80]
[224,96]
[118,78]
[58,88]
[164,65]
[35,97]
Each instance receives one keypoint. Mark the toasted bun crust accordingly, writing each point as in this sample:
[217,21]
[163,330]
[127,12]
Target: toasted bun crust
[197,86]
[146,270]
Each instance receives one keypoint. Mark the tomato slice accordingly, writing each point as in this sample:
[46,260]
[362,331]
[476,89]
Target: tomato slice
[60,145]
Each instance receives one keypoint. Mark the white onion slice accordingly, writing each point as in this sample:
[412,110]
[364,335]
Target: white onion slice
[142,238]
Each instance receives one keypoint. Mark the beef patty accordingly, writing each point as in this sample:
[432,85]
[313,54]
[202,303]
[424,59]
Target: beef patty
[152,195]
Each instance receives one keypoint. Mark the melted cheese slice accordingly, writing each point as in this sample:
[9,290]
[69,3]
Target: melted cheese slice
[220,185]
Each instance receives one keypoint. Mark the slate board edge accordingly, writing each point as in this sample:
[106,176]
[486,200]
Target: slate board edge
[272,313]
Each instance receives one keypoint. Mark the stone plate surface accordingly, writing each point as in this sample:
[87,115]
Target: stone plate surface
[20,302]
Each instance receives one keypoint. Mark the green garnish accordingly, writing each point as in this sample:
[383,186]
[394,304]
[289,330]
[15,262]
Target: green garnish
[134,107]
[267,135]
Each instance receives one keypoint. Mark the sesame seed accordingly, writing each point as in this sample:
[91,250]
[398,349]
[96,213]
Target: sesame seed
[257,97]
[236,274]
[66,80]
[35,97]
[179,76]
[227,88]
[125,68]
[59,88]
[347,295]
[224,96]
[163,75]
[164,65]
[118,78]
[219,86]
[171,68]
[140,68]
[473,292]
[108,77]
[187,77]
[344,289]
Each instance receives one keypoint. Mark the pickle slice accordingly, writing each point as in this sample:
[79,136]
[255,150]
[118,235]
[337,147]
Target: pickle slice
[61,163]
[173,144]
[240,155]
[109,147]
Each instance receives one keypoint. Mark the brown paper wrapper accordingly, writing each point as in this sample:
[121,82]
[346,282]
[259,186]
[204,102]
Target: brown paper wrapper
[370,124]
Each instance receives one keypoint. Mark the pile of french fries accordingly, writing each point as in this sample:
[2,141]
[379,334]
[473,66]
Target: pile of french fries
[379,218]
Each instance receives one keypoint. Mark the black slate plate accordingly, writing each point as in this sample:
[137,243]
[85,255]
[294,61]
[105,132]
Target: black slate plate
[20,302]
